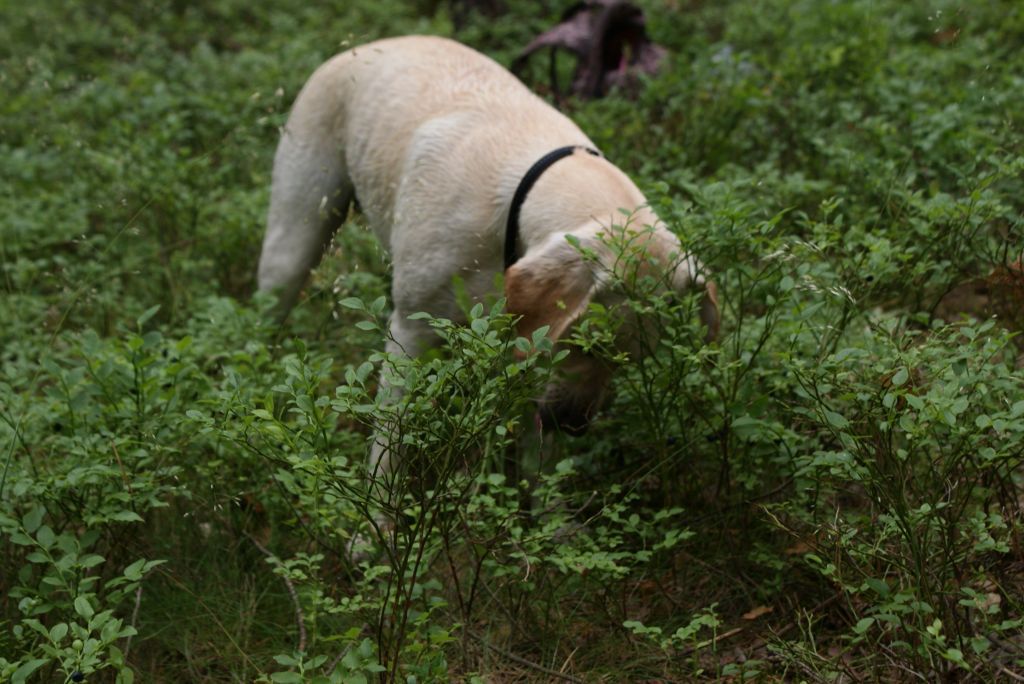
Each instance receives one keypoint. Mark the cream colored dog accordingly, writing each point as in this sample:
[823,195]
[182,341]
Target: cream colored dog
[432,140]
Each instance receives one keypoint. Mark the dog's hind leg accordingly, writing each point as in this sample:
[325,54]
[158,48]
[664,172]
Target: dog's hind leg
[309,199]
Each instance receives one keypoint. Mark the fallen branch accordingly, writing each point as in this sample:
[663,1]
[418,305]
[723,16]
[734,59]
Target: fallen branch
[1013,675]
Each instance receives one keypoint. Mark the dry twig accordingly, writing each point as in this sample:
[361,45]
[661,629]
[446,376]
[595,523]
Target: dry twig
[135,617]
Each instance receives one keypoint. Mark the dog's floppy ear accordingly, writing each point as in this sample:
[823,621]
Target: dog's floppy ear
[552,288]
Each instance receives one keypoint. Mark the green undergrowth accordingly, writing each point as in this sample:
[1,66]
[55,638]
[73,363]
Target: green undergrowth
[830,491]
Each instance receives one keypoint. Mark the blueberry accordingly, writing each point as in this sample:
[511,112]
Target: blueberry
[77,676]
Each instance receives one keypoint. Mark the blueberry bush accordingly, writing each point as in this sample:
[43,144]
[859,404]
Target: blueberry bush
[830,491]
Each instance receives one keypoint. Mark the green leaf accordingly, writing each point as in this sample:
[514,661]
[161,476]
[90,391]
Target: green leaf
[58,631]
[90,560]
[836,420]
[45,536]
[37,626]
[126,516]
[286,677]
[21,674]
[746,427]
[33,519]
[134,571]
[83,607]
[353,303]
[21,539]
[900,377]
[146,315]
[863,625]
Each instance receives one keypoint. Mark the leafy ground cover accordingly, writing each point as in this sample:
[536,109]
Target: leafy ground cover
[830,492]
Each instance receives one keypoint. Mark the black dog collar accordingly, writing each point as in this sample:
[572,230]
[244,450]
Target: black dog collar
[539,167]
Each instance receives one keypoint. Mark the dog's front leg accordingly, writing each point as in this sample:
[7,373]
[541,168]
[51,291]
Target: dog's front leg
[384,475]
[405,338]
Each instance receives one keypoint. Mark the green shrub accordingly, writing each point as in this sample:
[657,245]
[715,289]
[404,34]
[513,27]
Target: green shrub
[830,491]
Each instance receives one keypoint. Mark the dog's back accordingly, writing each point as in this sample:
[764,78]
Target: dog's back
[428,108]
[404,124]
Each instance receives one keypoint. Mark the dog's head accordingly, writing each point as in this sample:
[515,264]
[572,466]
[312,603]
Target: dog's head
[554,285]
